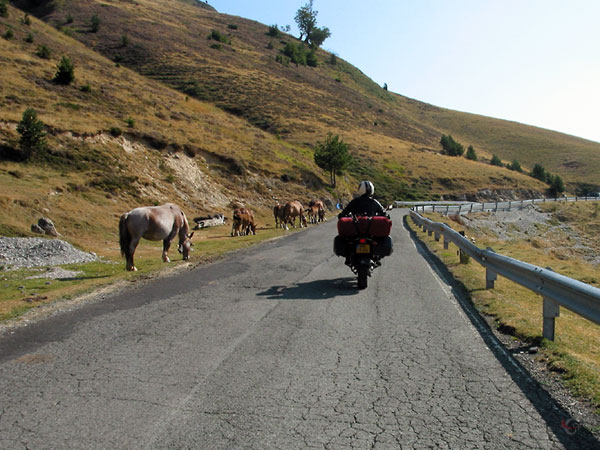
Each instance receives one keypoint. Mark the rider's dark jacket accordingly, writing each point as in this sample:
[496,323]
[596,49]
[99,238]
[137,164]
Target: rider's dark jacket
[363,206]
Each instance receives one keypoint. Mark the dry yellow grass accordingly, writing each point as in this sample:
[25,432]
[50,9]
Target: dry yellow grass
[575,353]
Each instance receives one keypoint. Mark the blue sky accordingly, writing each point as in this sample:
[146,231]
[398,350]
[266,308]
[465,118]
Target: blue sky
[530,61]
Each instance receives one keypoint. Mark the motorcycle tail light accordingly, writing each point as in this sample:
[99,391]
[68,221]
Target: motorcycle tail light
[362,241]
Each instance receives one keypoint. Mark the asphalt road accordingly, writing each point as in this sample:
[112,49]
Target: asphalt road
[274,347]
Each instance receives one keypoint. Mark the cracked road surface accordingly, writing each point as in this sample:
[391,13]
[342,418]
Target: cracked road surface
[273,347]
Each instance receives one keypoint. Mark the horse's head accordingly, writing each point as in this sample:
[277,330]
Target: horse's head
[185,245]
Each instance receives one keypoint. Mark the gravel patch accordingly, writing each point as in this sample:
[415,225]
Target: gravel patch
[18,253]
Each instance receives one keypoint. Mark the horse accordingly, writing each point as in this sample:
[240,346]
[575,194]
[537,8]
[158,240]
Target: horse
[243,222]
[155,223]
[313,214]
[288,214]
[319,212]
[276,211]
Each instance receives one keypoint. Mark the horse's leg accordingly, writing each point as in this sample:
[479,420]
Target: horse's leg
[132,247]
[166,245]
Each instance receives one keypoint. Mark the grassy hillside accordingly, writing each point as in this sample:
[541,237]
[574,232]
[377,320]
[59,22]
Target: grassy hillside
[241,74]
[242,70]
[117,140]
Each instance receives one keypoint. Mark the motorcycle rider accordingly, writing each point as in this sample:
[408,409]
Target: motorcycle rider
[364,204]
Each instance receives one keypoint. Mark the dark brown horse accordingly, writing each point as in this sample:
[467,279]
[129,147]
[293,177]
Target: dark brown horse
[155,223]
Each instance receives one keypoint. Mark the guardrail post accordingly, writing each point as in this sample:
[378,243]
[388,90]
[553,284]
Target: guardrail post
[490,275]
[490,278]
[551,312]
[445,243]
[429,232]
[447,209]
[471,209]
[496,209]
[437,236]
[462,256]
[509,205]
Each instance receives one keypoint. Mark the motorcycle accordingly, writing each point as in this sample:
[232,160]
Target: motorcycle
[363,241]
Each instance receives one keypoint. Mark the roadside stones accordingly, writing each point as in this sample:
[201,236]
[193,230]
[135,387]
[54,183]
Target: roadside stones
[45,226]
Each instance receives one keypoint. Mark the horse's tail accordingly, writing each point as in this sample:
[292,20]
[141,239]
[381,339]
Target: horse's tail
[124,236]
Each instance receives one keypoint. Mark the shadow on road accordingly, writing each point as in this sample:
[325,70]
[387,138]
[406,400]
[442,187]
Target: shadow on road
[313,290]
[549,409]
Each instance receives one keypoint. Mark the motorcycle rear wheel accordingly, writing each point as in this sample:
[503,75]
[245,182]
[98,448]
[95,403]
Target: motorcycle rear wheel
[362,277]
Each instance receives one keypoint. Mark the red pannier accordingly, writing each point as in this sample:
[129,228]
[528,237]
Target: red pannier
[377,226]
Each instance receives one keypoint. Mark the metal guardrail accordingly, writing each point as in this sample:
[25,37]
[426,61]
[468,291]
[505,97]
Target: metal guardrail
[556,290]
[469,207]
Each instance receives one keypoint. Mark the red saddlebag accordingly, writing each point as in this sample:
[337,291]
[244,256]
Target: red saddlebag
[375,226]
[346,227]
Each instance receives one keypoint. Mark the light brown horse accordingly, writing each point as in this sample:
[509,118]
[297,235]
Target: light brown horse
[288,214]
[155,223]
[243,222]
[318,210]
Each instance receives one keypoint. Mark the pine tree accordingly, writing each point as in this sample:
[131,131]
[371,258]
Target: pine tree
[471,153]
[65,72]
[496,161]
[33,136]
[332,156]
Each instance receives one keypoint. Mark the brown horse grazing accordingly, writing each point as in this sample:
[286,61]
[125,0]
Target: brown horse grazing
[288,215]
[313,214]
[155,223]
[319,213]
[243,222]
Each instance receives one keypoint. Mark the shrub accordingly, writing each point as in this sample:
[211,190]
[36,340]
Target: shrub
[69,19]
[217,36]
[115,131]
[496,161]
[296,53]
[130,122]
[26,20]
[65,73]
[515,166]
[539,172]
[333,59]
[43,52]
[124,41]
[450,146]
[557,185]
[9,34]
[273,31]
[85,88]
[232,26]
[216,46]
[270,45]
[3,8]
[311,59]
[33,136]
[471,153]
[29,38]
[95,23]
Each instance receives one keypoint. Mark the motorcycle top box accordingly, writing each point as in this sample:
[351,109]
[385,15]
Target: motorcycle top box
[377,227]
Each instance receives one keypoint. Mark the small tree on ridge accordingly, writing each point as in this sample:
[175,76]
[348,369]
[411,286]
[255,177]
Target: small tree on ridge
[332,156]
